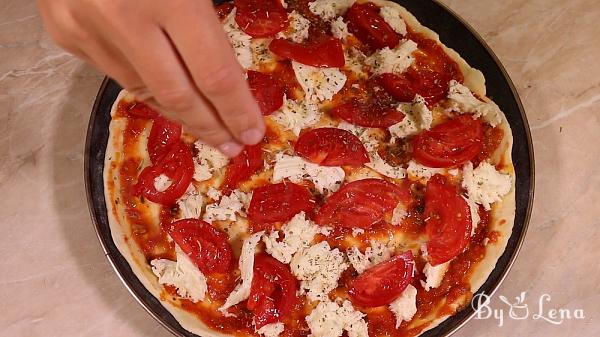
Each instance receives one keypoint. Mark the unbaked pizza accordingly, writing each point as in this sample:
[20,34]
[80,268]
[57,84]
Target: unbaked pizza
[378,202]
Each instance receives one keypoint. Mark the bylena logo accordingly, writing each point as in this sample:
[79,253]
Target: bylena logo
[519,310]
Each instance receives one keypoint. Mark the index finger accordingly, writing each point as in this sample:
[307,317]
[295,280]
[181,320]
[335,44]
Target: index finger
[204,47]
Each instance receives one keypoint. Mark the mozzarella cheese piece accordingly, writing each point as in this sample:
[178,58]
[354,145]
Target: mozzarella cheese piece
[393,18]
[399,213]
[298,233]
[329,9]
[381,166]
[271,330]
[423,173]
[296,169]
[354,62]
[319,84]
[207,161]
[296,116]
[377,253]
[394,61]
[418,117]
[434,275]
[298,28]
[318,268]
[190,204]
[162,182]
[228,208]
[339,28]
[405,306]
[181,274]
[242,291]
[239,40]
[484,184]
[261,53]
[214,193]
[329,319]
[475,218]
[462,100]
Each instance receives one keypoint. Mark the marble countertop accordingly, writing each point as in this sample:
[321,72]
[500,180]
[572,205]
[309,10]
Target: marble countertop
[55,280]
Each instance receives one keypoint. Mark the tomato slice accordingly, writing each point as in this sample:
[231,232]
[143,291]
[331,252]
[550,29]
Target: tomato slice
[331,147]
[279,203]
[177,165]
[452,143]
[325,53]
[369,27]
[448,221]
[260,18]
[432,86]
[371,113]
[207,246]
[163,135]
[384,282]
[242,167]
[224,9]
[140,110]
[273,291]
[267,91]
[362,203]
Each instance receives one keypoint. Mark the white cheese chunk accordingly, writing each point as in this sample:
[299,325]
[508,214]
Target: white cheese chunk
[318,268]
[399,213]
[354,62]
[296,169]
[297,30]
[295,115]
[418,117]
[475,218]
[392,17]
[381,166]
[329,9]
[394,61]
[242,290]
[239,40]
[375,254]
[319,84]
[434,275]
[181,274]
[228,208]
[339,28]
[214,193]
[298,233]
[329,319]
[207,161]
[260,52]
[462,100]
[162,182]
[271,330]
[423,173]
[190,204]
[484,184]
[405,306]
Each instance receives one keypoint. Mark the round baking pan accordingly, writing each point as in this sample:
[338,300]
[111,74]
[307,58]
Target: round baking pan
[456,34]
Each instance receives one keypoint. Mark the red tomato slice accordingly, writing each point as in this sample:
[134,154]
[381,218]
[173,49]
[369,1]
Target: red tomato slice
[369,27]
[163,135]
[325,53]
[384,282]
[331,147]
[242,167]
[207,246]
[267,91]
[260,18]
[140,110]
[224,9]
[273,291]
[362,203]
[452,143]
[448,221]
[368,114]
[279,203]
[431,85]
[177,164]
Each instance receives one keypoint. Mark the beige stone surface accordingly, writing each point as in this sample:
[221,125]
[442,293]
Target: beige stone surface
[55,281]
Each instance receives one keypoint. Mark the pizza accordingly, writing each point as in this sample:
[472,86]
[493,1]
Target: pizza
[378,202]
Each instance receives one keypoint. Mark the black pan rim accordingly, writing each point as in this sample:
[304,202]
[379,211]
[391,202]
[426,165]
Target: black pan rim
[445,329]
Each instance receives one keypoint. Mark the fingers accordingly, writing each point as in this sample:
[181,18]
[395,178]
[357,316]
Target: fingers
[204,48]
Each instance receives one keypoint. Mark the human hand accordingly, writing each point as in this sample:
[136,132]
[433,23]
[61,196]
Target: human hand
[173,55]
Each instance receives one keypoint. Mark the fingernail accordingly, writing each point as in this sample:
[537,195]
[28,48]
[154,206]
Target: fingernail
[252,136]
[230,149]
